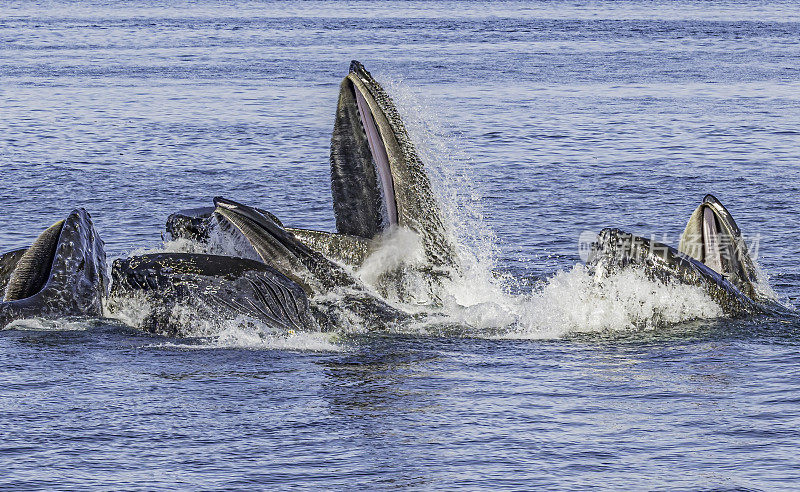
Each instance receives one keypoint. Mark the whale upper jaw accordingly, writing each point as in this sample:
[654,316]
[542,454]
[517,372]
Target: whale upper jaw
[364,149]
[77,278]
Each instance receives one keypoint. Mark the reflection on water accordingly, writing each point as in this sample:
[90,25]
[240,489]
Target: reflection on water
[382,381]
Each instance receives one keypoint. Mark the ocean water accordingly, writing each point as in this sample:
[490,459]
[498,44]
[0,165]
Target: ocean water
[538,122]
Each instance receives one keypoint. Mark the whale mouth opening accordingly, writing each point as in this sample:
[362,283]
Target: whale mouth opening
[380,158]
[712,237]
[366,158]
[712,240]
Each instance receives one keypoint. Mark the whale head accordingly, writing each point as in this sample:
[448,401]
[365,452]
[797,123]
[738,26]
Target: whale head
[279,248]
[63,273]
[377,177]
[712,237]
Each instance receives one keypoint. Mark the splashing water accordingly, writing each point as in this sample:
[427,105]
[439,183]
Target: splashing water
[576,301]
[397,247]
[460,198]
[394,269]
[131,309]
[40,324]
[242,333]
[763,288]
[475,301]
[568,302]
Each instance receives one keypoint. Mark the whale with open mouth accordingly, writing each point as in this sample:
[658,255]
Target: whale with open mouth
[378,179]
[712,237]
[62,274]
[712,255]
[378,183]
[283,282]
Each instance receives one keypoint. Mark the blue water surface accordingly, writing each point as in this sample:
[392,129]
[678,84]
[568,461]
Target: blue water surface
[544,120]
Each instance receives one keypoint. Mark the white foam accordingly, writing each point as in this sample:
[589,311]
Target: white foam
[131,309]
[576,301]
[572,301]
[40,324]
[395,248]
[568,302]
[243,333]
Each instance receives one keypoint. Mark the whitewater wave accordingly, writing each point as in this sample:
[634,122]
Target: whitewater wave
[239,334]
[40,324]
[572,301]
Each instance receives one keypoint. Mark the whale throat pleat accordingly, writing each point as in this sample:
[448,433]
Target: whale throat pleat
[33,268]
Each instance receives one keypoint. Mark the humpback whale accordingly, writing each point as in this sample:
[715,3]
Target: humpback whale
[711,255]
[283,283]
[378,182]
[378,179]
[63,273]
[333,289]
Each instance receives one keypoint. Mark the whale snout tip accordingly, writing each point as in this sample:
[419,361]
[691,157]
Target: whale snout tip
[356,66]
[225,203]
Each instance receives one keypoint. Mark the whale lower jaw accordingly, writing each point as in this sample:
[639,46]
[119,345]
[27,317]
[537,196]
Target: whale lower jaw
[212,288]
